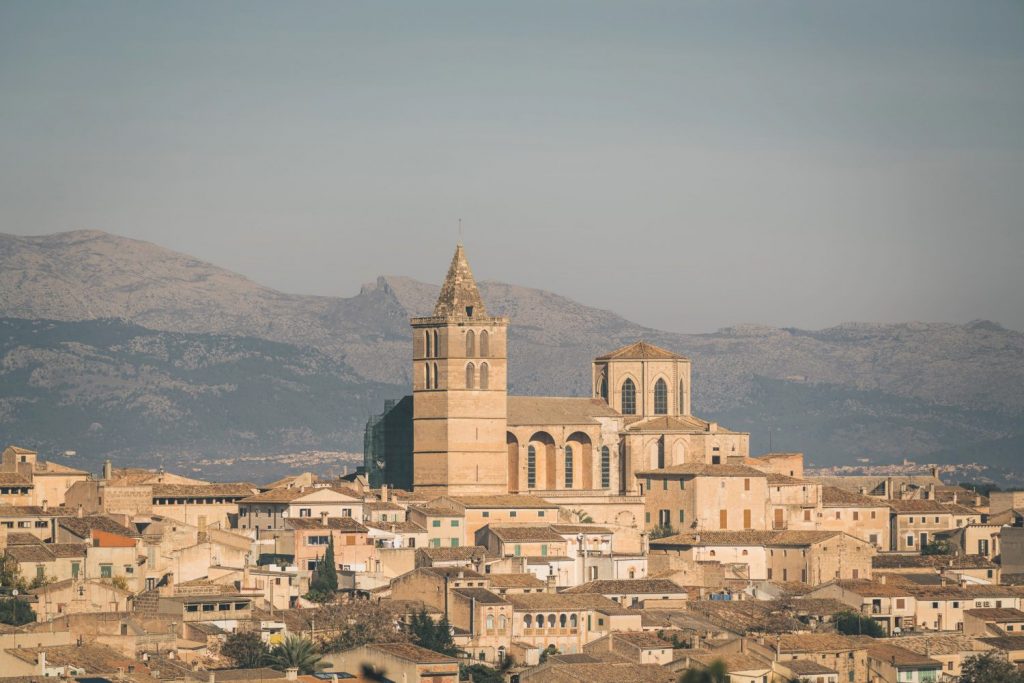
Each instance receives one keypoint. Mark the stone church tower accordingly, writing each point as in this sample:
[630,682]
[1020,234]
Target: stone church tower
[460,392]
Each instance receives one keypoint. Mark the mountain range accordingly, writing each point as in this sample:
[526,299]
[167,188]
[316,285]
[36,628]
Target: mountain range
[173,356]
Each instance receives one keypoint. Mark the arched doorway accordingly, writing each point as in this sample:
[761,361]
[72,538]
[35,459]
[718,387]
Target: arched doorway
[544,447]
[583,455]
[513,462]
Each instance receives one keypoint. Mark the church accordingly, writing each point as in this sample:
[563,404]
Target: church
[461,434]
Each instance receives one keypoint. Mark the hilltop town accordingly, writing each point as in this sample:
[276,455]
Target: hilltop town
[491,537]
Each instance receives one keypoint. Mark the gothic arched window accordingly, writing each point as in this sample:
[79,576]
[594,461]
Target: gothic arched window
[606,467]
[435,376]
[490,621]
[436,352]
[531,467]
[568,467]
[426,375]
[485,344]
[628,397]
[470,375]
[502,624]
[660,398]
[484,378]
[470,344]
[426,344]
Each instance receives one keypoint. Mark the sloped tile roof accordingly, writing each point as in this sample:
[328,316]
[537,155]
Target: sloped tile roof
[525,533]
[550,410]
[333,523]
[641,350]
[627,586]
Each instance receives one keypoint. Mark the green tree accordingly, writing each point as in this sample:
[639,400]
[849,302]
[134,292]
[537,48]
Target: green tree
[295,653]
[16,612]
[991,667]
[853,624]
[323,584]
[549,651]
[356,623]
[10,574]
[436,636]
[662,531]
[714,673]
[937,546]
[480,673]
[246,649]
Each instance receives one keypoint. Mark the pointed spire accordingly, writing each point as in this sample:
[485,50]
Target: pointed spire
[459,295]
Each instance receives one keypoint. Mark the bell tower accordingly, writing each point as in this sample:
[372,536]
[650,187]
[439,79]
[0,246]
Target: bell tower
[460,391]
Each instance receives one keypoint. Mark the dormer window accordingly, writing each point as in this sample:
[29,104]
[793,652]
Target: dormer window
[469,311]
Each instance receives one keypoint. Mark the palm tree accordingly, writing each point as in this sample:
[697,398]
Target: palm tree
[715,673]
[295,653]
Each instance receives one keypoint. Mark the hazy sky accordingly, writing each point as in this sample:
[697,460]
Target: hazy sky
[689,165]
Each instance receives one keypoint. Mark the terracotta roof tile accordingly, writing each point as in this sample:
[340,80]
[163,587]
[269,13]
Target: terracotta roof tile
[641,350]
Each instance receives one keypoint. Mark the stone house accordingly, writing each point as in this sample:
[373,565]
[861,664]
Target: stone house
[444,522]
[892,606]
[914,523]
[993,621]
[567,621]
[79,596]
[47,482]
[639,647]
[271,509]
[403,662]
[637,593]
[858,515]
[700,496]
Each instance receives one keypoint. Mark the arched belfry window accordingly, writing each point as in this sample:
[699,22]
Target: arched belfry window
[682,393]
[426,375]
[427,349]
[531,467]
[485,344]
[628,397]
[484,373]
[470,344]
[435,376]
[470,376]
[606,467]
[568,467]
[660,398]
[436,353]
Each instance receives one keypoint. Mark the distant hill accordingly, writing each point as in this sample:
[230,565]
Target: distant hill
[106,388]
[859,389]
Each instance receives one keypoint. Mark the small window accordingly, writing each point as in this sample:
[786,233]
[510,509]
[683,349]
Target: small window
[435,523]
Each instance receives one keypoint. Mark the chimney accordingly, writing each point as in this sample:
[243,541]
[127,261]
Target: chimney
[291,673]
[383,493]
[45,505]
[42,662]
[935,472]
[323,518]
[211,677]
[743,646]
[108,470]
[954,497]
[611,644]
[80,512]
[551,583]
[931,491]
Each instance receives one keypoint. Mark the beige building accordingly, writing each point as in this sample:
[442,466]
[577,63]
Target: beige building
[469,438]
[459,391]
[27,480]
[914,523]
[702,496]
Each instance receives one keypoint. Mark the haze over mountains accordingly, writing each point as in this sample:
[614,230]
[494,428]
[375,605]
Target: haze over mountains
[182,357]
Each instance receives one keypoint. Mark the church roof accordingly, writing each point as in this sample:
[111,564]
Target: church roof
[549,410]
[675,423]
[459,294]
[641,350]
